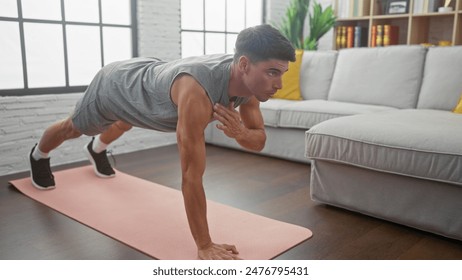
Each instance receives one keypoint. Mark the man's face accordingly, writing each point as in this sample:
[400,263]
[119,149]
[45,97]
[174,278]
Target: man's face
[263,78]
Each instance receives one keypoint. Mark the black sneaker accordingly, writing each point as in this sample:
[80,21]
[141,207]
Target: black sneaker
[40,173]
[100,161]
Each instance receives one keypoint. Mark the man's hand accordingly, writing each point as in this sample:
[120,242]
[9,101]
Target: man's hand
[230,119]
[219,252]
[245,126]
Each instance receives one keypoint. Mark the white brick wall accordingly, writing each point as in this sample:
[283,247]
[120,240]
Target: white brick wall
[23,119]
[159,28]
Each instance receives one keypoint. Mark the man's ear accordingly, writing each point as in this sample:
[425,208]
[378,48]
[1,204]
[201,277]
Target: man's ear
[243,64]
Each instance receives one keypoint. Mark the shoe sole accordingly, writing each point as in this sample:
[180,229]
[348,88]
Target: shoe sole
[90,158]
[35,184]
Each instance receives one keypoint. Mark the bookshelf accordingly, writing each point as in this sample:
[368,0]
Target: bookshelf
[415,24]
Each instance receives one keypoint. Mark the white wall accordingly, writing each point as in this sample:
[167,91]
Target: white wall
[23,119]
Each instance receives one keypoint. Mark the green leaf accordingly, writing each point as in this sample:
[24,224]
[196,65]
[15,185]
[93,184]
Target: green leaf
[320,22]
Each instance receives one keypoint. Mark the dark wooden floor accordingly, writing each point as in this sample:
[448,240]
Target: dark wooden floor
[267,186]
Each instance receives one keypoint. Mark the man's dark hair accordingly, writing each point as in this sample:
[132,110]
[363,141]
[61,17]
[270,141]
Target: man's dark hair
[263,42]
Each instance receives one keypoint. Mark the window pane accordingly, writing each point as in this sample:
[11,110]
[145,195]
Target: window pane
[84,58]
[117,44]
[215,15]
[230,42]
[192,44]
[254,12]
[192,14]
[44,54]
[10,56]
[235,15]
[9,8]
[214,43]
[116,11]
[43,9]
[81,10]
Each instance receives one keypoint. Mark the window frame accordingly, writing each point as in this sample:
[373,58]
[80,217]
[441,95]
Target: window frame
[63,23]
[204,31]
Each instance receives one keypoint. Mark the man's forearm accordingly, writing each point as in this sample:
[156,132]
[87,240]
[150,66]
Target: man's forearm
[196,211]
[252,139]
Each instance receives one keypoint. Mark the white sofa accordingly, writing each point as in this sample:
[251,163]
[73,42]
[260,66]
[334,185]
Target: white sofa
[376,125]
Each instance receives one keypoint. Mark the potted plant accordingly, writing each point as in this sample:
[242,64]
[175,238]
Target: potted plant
[320,22]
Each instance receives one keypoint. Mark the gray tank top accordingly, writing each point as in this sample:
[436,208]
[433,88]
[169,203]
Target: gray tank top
[137,91]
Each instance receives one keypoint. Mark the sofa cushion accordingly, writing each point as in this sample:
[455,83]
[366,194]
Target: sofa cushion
[307,113]
[441,85]
[417,143]
[458,108]
[271,110]
[316,73]
[389,76]
[291,80]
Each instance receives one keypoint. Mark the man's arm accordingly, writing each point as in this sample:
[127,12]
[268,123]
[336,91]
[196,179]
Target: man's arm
[194,113]
[245,126]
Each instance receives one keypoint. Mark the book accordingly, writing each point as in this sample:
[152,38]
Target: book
[390,35]
[433,5]
[338,38]
[425,6]
[418,7]
[379,36]
[355,9]
[365,8]
[343,8]
[352,8]
[374,36]
[350,36]
[380,7]
[343,39]
[360,37]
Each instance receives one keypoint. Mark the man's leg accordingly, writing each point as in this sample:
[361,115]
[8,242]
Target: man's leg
[114,131]
[53,136]
[96,149]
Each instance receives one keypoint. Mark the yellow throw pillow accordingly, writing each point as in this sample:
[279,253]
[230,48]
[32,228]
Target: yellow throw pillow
[291,80]
[458,108]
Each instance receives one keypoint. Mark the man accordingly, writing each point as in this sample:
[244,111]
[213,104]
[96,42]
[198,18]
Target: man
[183,96]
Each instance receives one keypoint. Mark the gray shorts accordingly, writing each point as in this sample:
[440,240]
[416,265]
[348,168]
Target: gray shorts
[90,116]
[121,91]
[87,116]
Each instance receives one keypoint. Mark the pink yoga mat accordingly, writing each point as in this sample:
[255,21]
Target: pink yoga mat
[151,218]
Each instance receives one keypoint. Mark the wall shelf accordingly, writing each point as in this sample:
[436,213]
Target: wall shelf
[420,28]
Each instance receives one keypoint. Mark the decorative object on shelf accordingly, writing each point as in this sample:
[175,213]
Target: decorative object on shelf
[444,43]
[446,8]
[320,22]
[398,7]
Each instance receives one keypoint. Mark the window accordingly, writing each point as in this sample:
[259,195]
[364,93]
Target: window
[211,26]
[57,46]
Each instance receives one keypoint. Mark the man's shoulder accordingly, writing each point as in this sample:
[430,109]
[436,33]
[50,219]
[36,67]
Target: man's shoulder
[206,60]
